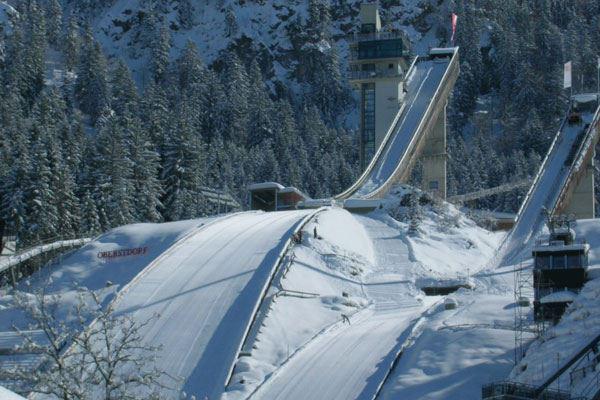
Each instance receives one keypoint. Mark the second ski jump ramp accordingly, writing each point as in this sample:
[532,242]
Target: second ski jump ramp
[553,182]
[429,83]
[204,291]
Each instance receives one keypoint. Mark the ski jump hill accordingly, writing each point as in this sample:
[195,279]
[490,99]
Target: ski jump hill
[207,287]
[210,283]
[429,83]
[564,183]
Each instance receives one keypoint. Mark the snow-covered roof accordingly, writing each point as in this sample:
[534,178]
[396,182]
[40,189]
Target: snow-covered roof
[585,97]
[291,189]
[316,203]
[438,51]
[362,203]
[563,296]
[266,185]
[6,394]
[555,247]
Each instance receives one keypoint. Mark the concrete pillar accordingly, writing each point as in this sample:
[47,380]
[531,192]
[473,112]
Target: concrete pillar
[434,158]
[581,204]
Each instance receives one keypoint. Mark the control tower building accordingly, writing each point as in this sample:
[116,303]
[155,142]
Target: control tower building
[378,63]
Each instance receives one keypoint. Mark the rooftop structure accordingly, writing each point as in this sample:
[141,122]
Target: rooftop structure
[559,273]
[272,196]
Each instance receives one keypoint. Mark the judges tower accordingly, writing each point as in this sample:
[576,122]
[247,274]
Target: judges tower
[378,63]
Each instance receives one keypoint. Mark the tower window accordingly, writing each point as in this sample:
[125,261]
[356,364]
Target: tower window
[368,121]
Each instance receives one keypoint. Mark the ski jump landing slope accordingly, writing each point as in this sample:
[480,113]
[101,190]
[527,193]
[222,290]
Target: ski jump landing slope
[566,153]
[351,361]
[428,84]
[204,291]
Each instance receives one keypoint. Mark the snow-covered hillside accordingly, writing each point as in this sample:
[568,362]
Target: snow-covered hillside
[126,28]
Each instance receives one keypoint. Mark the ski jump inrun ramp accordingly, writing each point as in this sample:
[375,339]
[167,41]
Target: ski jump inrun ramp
[565,166]
[429,82]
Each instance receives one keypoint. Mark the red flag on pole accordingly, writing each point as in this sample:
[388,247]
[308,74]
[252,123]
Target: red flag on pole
[454,19]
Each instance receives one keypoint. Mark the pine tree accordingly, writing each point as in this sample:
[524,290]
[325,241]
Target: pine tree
[92,88]
[72,44]
[235,84]
[231,25]
[260,108]
[90,220]
[155,114]
[54,21]
[41,210]
[160,56]
[124,99]
[185,13]
[15,190]
[182,169]
[112,175]
[35,52]
[144,175]
[63,186]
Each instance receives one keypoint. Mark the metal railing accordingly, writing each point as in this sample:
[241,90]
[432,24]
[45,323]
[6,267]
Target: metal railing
[382,35]
[507,390]
[506,187]
[378,73]
[590,135]
[37,250]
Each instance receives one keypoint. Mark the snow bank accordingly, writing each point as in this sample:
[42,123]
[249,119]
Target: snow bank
[445,243]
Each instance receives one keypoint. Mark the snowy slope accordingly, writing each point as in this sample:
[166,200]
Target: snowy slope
[458,351]
[204,292]
[350,361]
[327,267]
[261,26]
[305,350]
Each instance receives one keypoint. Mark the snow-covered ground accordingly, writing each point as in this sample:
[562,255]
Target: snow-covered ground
[367,267]
[458,350]
[205,290]
[104,265]
[203,293]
